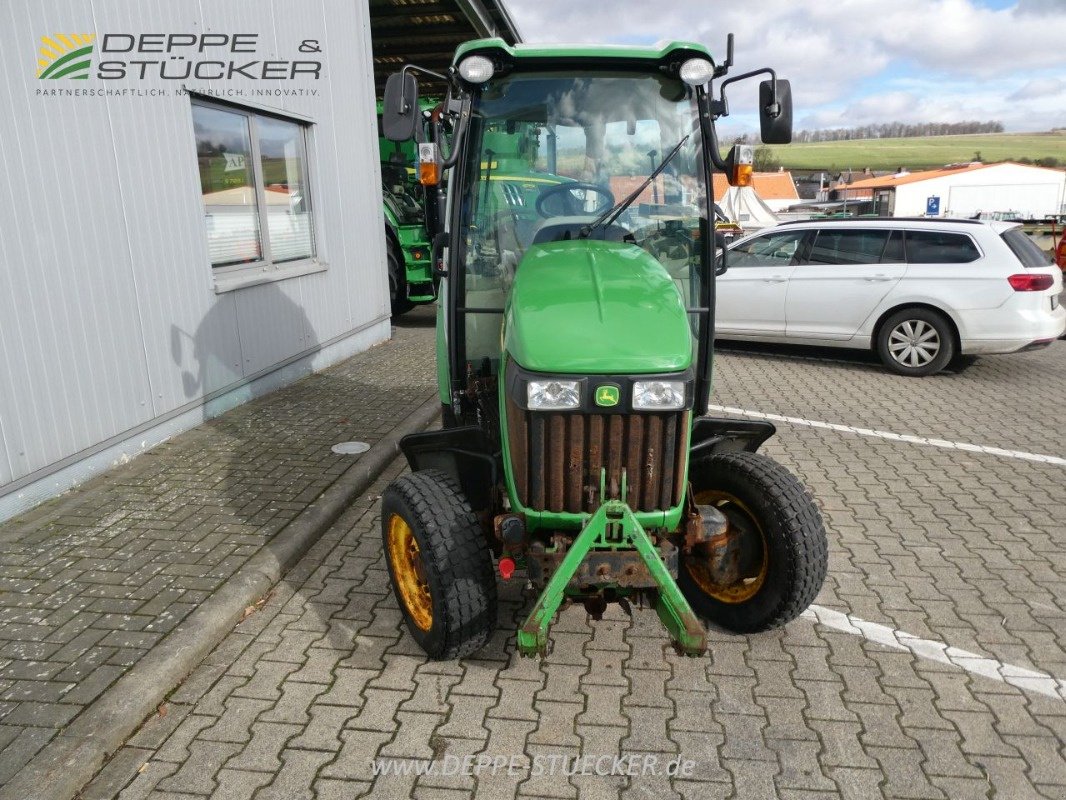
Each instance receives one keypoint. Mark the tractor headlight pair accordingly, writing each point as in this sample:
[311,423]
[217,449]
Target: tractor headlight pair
[557,395]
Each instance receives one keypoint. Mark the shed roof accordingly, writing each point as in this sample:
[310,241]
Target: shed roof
[886,181]
[426,32]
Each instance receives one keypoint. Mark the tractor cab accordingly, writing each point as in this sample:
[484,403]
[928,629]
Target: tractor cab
[574,348]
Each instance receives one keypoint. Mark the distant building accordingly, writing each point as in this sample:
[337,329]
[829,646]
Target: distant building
[963,190]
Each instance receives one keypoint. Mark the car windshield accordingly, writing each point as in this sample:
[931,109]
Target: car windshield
[550,153]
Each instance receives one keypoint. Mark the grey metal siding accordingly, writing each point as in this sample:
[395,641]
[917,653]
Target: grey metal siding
[108,315]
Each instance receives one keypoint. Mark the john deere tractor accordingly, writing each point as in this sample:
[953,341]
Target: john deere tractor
[574,356]
[409,222]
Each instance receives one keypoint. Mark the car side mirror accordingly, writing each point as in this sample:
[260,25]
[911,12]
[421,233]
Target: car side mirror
[775,113]
[400,113]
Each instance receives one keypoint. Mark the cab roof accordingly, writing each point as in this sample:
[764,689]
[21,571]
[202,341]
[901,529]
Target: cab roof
[661,52]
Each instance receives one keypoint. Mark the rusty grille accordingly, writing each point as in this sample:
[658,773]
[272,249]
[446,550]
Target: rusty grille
[556,458]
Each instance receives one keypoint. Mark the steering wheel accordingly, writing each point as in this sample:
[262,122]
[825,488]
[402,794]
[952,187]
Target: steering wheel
[571,199]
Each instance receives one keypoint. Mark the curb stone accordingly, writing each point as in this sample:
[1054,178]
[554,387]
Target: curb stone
[74,757]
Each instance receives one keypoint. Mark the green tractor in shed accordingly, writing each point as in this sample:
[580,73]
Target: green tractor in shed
[411,212]
[574,357]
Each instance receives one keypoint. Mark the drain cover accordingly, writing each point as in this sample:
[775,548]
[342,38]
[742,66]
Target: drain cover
[350,448]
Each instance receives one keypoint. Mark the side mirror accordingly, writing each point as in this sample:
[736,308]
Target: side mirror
[775,115]
[400,113]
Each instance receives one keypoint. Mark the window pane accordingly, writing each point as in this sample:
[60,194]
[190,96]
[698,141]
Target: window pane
[1028,252]
[223,150]
[848,247]
[935,247]
[776,250]
[894,250]
[284,176]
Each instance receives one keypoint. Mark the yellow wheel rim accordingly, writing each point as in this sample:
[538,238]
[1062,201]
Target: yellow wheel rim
[739,516]
[408,572]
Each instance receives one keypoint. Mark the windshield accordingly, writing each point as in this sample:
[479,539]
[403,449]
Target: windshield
[550,154]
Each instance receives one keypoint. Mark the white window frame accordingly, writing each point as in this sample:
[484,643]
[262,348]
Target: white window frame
[265,270]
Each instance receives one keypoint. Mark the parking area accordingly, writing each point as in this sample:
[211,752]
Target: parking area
[932,666]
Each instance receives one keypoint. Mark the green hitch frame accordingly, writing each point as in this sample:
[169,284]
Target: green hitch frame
[613,526]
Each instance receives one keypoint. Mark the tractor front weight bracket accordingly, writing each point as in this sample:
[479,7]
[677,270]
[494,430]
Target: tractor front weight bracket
[614,526]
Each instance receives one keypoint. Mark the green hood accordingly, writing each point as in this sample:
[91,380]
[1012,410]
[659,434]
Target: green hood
[587,306]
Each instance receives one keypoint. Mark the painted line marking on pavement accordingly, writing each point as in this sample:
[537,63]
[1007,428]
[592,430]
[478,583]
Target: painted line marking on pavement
[1027,680]
[896,437]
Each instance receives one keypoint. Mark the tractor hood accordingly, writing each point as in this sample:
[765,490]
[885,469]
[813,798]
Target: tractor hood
[587,306]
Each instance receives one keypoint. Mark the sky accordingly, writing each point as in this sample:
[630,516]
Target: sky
[851,62]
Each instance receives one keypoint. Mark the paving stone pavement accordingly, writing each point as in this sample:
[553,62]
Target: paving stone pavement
[89,582]
[958,547]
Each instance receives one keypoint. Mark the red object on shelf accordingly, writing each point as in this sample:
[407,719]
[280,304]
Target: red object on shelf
[507,566]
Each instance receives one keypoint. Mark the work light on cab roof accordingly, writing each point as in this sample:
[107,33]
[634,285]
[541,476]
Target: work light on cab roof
[575,327]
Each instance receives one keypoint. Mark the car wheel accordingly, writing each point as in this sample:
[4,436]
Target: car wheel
[916,342]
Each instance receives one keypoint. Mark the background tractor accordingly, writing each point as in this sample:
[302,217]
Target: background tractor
[576,266]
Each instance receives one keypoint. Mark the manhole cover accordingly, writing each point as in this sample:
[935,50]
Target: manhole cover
[350,448]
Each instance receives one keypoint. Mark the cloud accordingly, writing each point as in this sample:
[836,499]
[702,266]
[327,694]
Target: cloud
[835,53]
[1041,87]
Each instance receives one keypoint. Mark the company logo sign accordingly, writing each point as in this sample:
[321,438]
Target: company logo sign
[171,57]
[607,395]
[65,55]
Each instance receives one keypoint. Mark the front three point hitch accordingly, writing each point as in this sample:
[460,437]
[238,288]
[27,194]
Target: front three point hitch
[614,526]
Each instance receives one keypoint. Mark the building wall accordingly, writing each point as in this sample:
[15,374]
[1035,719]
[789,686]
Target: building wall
[1033,191]
[112,334]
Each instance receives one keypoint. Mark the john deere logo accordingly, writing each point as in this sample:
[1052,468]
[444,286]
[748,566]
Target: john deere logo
[65,55]
[607,395]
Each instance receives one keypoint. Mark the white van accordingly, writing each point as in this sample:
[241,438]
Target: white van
[916,291]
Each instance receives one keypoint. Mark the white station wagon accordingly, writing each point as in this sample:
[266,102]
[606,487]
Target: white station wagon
[916,291]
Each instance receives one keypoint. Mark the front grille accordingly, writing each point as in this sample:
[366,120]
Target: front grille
[556,458]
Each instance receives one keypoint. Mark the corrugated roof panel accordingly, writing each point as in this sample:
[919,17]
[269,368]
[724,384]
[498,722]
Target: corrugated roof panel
[426,32]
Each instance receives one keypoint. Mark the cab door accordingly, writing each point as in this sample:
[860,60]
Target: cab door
[750,295]
[844,275]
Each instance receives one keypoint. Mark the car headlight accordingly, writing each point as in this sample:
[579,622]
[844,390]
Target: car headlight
[659,395]
[552,395]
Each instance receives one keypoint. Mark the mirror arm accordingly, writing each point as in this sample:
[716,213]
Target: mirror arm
[460,132]
[415,68]
[705,100]
[774,109]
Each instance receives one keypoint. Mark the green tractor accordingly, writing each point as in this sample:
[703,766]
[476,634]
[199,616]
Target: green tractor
[574,356]
[409,222]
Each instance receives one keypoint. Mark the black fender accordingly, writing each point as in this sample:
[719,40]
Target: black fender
[712,435]
[465,452]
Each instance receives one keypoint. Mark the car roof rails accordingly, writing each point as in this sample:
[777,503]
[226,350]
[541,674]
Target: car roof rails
[885,219]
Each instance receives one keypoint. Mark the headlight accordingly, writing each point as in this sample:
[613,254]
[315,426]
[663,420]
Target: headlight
[476,69]
[552,395]
[659,395]
[696,71]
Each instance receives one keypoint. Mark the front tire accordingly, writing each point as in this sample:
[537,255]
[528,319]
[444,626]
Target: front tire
[783,545]
[439,564]
[916,342]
